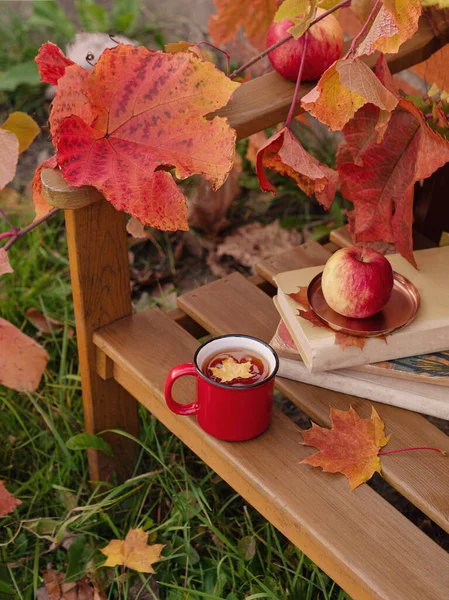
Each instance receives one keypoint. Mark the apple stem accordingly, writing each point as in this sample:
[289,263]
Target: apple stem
[298,81]
[228,56]
[364,29]
[256,58]
[443,452]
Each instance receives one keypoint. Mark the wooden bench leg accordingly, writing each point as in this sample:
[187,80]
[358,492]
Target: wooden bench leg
[99,269]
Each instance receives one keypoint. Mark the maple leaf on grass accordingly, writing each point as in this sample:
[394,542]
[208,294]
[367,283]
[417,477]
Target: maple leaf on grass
[255,16]
[146,114]
[350,447]
[343,340]
[133,552]
[8,502]
[284,154]
[346,86]
[395,23]
[379,178]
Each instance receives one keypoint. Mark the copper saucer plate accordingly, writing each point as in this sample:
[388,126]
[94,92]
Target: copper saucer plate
[399,312]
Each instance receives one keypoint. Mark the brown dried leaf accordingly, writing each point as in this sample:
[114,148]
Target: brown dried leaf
[8,502]
[46,324]
[57,589]
[5,266]
[341,339]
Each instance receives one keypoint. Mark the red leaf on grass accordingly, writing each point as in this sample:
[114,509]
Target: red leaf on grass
[22,366]
[51,63]
[283,153]
[341,339]
[148,113]
[40,204]
[379,178]
[8,502]
[47,324]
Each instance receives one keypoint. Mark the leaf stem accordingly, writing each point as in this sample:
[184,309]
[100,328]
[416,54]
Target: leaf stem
[298,80]
[21,232]
[255,59]
[443,452]
[228,56]
[364,29]
[7,219]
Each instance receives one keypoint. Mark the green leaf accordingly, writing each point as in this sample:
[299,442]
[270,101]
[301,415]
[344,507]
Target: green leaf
[24,73]
[124,23]
[84,441]
[5,588]
[247,547]
[77,560]
[93,17]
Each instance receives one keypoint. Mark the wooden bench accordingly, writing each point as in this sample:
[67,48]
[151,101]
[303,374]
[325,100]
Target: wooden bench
[359,539]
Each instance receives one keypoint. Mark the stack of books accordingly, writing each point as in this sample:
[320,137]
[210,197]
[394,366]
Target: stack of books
[410,368]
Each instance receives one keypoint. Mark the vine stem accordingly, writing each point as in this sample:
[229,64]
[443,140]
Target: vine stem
[364,29]
[255,59]
[417,448]
[298,81]
[7,219]
[228,56]
[21,232]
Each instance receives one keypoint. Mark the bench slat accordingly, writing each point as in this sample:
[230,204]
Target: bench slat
[233,305]
[361,541]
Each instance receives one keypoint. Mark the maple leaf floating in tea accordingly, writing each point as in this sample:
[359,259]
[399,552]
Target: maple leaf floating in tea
[255,16]
[231,370]
[133,552]
[350,447]
[284,154]
[8,502]
[138,114]
[343,340]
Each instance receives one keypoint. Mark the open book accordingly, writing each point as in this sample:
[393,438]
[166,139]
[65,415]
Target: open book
[428,333]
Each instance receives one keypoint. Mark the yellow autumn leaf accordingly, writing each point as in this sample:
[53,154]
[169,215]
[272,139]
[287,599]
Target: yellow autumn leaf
[438,3]
[231,369]
[133,552]
[301,12]
[344,88]
[24,127]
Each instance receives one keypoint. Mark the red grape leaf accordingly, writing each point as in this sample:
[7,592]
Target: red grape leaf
[255,16]
[147,112]
[350,447]
[8,502]
[341,339]
[133,552]
[41,207]
[22,366]
[51,63]
[9,155]
[379,178]
[5,266]
[395,23]
[346,86]
[283,153]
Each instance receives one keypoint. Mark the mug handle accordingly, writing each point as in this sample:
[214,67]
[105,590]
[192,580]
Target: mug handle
[176,373]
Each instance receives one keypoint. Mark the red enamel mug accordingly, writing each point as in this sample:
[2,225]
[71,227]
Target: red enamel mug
[232,413]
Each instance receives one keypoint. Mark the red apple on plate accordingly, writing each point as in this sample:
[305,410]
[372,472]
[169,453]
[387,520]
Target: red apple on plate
[357,282]
[323,48]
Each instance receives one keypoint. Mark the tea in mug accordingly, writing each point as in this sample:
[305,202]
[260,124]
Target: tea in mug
[236,368]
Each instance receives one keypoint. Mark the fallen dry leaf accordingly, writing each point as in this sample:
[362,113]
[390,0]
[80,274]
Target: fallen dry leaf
[251,244]
[9,155]
[133,552]
[5,266]
[350,447]
[207,210]
[135,228]
[22,366]
[8,502]
[56,589]
[46,324]
[341,339]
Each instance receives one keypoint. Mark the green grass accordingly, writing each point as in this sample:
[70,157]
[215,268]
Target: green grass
[217,547]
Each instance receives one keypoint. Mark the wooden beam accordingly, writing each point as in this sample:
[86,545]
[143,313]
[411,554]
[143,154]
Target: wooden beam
[265,101]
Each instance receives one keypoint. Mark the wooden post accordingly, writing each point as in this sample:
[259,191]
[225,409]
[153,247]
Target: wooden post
[98,254]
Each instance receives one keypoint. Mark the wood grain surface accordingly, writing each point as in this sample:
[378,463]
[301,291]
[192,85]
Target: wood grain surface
[234,305]
[98,254]
[360,540]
